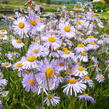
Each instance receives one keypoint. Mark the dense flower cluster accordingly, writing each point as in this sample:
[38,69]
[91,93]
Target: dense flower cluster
[53,52]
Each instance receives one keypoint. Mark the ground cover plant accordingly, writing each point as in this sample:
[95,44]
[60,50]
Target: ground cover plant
[54,61]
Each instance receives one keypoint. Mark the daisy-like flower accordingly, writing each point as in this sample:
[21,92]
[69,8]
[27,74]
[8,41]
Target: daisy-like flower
[90,39]
[3,31]
[6,65]
[3,37]
[86,97]
[5,93]
[29,62]
[65,53]
[67,30]
[17,43]
[100,78]
[35,23]
[29,82]
[37,50]
[60,64]
[18,65]
[86,79]
[92,46]
[21,27]
[83,56]
[80,48]
[74,86]
[52,41]
[60,79]
[52,100]
[80,71]
[12,55]
[48,69]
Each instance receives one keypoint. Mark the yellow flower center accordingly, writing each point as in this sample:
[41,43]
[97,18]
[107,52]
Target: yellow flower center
[66,51]
[35,51]
[83,53]
[21,25]
[85,94]
[67,29]
[19,65]
[33,22]
[49,72]
[61,64]
[93,43]
[18,41]
[72,81]
[90,36]
[2,30]
[81,68]
[58,75]
[79,22]
[101,78]
[1,35]
[12,53]
[79,63]
[63,49]
[77,10]
[27,71]
[31,58]
[70,71]
[6,64]
[87,77]
[51,39]
[49,97]
[80,45]
[31,82]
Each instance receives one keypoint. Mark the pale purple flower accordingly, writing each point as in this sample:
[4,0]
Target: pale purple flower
[86,97]
[29,83]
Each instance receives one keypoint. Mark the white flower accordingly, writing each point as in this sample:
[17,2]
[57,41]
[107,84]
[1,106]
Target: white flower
[29,63]
[83,57]
[17,43]
[80,71]
[74,86]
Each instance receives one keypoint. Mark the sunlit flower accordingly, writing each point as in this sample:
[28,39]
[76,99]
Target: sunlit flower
[29,62]
[17,43]
[6,64]
[92,46]
[80,71]
[67,30]
[52,41]
[80,48]
[83,56]
[21,27]
[74,86]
